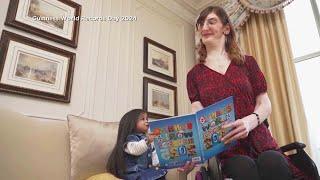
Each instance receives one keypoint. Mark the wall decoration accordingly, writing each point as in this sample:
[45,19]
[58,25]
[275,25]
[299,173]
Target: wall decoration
[270,6]
[159,60]
[57,20]
[36,69]
[159,99]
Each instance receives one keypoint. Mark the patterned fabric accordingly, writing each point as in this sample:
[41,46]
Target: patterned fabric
[239,10]
[237,13]
[259,6]
[244,83]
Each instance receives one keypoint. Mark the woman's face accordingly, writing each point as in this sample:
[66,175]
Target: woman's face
[212,29]
[143,124]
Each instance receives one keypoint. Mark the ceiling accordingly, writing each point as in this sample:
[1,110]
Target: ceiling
[197,5]
[187,9]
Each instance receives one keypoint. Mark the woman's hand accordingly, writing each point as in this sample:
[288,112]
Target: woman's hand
[240,128]
[187,168]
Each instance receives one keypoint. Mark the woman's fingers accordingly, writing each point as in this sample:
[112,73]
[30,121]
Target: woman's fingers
[240,135]
[240,131]
[180,169]
[231,125]
[188,166]
[233,132]
[184,167]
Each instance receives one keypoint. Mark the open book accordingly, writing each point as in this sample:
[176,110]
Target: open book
[195,137]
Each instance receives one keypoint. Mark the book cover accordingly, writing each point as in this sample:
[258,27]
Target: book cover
[194,137]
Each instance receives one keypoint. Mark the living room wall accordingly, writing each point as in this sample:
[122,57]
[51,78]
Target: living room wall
[108,73]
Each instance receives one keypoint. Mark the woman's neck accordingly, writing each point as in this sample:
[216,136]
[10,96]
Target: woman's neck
[215,52]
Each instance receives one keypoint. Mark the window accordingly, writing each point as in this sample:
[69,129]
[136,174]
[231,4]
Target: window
[303,21]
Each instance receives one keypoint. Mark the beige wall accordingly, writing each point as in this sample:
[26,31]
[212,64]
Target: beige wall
[108,71]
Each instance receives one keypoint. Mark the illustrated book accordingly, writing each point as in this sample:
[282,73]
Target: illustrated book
[194,137]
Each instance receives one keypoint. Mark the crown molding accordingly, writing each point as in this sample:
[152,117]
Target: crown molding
[183,10]
[187,9]
[197,5]
[205,3]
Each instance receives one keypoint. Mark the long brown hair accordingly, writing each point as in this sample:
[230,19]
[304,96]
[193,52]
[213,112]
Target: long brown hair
[231,46]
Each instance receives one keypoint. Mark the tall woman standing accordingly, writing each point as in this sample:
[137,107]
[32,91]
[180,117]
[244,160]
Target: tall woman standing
[224,71]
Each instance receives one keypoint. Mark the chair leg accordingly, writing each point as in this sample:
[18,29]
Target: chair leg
[214,169]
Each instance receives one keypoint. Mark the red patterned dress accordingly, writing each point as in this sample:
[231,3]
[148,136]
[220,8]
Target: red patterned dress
[243,82]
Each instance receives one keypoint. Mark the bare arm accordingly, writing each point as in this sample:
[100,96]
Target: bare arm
[263,106]
[196,106]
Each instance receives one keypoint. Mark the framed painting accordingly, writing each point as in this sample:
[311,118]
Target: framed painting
[159,60]
[57,20]
[159,99]
[32,68]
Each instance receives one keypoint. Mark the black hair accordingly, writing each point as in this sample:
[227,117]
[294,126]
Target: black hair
[116,163]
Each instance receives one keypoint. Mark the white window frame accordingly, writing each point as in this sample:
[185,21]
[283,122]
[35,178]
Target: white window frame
[316,15]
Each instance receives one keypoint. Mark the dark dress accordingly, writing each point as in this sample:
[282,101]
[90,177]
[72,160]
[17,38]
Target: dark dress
[243,82]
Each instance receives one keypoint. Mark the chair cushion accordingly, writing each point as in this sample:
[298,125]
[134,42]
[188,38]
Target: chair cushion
[91,143]
[33,148]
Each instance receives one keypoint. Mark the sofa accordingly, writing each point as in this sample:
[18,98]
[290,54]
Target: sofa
[38,149]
